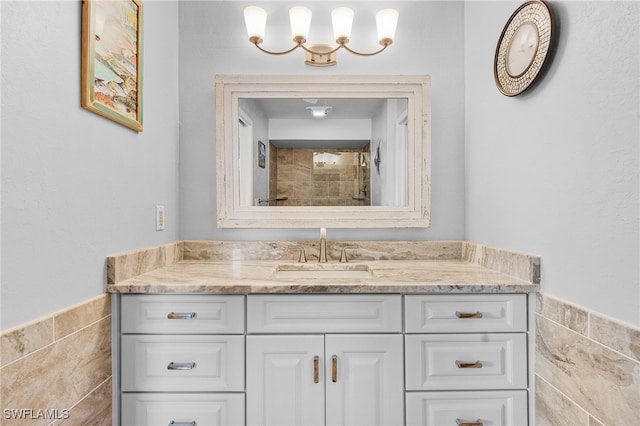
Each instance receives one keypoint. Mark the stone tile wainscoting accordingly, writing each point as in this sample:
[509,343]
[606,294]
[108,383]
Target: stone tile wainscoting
[57,370]
[587,367]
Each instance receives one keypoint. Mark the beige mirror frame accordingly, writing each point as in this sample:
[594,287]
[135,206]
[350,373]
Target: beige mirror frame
[415,88]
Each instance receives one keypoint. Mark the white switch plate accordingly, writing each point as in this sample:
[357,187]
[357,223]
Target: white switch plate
[159,218]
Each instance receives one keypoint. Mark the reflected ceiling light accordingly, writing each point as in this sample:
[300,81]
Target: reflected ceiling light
[319,111]
[325,158]
[320,55]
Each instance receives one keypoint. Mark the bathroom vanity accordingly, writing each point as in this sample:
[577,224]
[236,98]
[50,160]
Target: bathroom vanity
[235,333]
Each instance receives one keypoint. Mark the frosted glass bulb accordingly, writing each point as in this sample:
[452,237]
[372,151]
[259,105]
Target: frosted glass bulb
[255,18]
[300,18]
[342,18]
[387,21]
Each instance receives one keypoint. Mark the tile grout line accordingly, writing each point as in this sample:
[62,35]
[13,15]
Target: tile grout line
[612,322]
[568,398]
[590,338]
[55,341]
[588,311]
[91,391]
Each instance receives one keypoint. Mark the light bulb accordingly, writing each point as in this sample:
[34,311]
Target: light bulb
[387,21]
[342,18]
[300,18]
[255,18]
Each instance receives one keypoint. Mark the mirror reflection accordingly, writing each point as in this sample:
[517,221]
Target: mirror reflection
[363,163]
[323,151]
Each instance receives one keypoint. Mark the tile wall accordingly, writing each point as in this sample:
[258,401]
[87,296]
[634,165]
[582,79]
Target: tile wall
[57,370]
[587,367]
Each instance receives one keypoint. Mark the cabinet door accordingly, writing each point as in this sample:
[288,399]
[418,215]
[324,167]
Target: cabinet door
[364,375]
[284,386]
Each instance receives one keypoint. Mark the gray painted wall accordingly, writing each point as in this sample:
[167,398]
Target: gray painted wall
[213,40]
[555,171]
[77,187]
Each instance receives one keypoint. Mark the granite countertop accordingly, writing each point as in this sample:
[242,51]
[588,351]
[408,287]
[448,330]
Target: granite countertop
[216,267]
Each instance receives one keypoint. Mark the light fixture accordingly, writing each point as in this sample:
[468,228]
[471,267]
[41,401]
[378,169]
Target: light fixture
[320,55]
[321,159]
[319,111]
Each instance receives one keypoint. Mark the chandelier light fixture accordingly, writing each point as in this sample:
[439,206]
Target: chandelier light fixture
[320,55]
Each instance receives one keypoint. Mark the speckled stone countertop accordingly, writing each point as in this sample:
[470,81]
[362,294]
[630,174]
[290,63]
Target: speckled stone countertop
[242,267]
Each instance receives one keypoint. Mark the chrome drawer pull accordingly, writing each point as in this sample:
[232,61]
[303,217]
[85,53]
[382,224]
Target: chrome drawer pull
[468,314]
[181,315]
[476,364]
[316,369]
[174,423]
[465,423]
[181,366]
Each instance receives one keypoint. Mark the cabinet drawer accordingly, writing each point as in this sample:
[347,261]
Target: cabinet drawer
[182,363]
[466,361]
[143,409]
[184,314]
[467,313]
[324,313]
[496,408]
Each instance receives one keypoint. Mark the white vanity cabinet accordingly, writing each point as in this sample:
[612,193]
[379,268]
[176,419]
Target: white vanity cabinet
[466,359]
[182,360]
[323,359]
[300,371]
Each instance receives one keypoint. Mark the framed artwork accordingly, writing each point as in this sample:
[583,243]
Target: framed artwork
[262,154]
[112,60]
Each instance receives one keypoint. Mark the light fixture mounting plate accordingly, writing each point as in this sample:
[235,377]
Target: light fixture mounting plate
[323,55]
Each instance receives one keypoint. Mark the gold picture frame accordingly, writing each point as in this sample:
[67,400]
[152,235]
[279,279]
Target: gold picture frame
[112,60]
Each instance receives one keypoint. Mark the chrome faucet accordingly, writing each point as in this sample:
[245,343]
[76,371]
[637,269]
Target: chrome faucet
[322,258]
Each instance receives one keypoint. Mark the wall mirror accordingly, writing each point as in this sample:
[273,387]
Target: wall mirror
[323,151]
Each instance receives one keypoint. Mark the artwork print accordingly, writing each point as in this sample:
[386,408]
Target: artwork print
[112,60]
[262,154]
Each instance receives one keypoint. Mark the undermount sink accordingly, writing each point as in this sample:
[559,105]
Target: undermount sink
[323,270]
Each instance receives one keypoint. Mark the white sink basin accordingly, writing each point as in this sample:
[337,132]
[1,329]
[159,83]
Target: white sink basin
[323,271]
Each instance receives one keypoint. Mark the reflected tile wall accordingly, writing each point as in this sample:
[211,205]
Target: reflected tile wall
[59,367]
[587,367]
[305,182]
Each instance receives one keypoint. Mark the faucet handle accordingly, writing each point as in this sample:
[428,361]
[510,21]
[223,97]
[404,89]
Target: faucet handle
[302,258]
[343,254]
